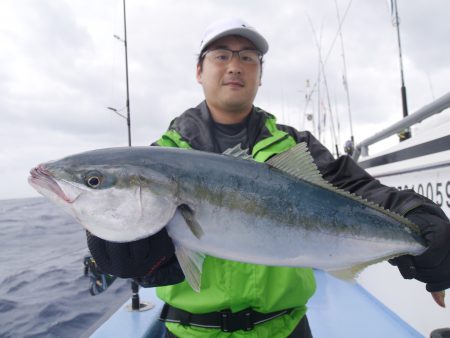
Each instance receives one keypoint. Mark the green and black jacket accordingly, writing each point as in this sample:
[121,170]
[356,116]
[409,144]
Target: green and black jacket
[236,286]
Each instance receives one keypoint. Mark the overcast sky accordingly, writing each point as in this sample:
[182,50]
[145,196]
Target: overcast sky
[60,67]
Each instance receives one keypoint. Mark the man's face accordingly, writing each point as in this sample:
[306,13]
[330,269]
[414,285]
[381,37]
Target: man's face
[230,87]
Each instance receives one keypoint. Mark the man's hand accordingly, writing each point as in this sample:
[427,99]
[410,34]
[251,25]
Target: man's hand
[151,256]
[439,297]
[433,266]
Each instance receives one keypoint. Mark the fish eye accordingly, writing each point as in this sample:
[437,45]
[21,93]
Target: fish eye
[93,180]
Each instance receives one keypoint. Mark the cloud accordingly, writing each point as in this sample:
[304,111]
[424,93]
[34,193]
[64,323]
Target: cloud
[62,68]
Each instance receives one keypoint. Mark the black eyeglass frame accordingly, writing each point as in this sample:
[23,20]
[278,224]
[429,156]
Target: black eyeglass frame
[234,52]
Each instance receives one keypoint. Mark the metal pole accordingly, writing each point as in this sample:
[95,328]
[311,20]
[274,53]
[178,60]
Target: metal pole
[406,133]
[423,113]
[126,72]
[135,301]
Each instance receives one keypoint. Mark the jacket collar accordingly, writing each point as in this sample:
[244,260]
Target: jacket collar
[196,127]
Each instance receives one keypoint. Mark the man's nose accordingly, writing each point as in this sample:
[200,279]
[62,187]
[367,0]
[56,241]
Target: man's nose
[235,65]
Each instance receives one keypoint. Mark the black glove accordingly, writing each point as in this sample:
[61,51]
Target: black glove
[151,256]
[433,266]
[168,274]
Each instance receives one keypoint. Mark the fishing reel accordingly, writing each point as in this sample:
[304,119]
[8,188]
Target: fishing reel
[98,281]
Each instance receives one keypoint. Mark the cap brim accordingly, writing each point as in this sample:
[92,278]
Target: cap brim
[254,37]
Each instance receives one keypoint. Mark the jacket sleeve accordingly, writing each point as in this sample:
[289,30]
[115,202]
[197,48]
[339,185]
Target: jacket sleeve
[346,174]
[431,267]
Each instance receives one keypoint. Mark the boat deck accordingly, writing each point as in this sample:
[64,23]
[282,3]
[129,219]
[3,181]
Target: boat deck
[338,309]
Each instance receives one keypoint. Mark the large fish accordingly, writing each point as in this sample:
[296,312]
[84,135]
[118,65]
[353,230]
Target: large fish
[281,212]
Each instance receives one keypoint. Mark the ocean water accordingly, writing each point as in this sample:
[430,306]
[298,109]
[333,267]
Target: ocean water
[43,290]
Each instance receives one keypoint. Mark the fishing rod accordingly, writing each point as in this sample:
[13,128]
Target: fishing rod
[124,41]
[406,134]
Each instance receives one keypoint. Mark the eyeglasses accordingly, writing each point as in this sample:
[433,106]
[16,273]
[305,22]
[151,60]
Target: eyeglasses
[223,56]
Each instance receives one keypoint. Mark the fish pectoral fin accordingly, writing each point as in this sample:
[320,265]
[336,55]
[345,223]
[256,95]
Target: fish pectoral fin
[191,262]
[192,223]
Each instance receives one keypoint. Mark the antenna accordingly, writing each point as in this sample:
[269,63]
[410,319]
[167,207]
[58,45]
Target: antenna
[344,76]
[321,71]
[322,64]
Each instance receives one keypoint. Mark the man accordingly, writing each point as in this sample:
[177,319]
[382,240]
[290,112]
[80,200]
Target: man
[253,300]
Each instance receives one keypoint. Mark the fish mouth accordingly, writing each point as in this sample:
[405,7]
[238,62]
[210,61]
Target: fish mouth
[41,179]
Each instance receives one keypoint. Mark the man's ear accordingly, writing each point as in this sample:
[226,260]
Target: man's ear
[260,76]
[199,74]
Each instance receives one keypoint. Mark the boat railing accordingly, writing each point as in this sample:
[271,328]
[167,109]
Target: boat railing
[430,109]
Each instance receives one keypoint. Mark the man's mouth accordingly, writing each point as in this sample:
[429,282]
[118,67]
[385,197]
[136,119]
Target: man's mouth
[234,83]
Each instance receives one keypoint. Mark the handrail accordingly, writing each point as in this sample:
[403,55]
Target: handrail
[430,109]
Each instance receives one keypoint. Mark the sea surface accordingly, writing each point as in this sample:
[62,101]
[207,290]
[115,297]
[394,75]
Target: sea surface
[43,290]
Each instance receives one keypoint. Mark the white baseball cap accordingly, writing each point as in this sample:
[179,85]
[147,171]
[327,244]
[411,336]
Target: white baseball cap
[233,26]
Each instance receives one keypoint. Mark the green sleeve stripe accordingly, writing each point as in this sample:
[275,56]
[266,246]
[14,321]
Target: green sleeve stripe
[166,142]
[279,141]
[172,138]
[278,145]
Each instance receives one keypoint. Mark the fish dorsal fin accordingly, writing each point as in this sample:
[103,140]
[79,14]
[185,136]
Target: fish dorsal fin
[298,162]
[191,263]
[238,152]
